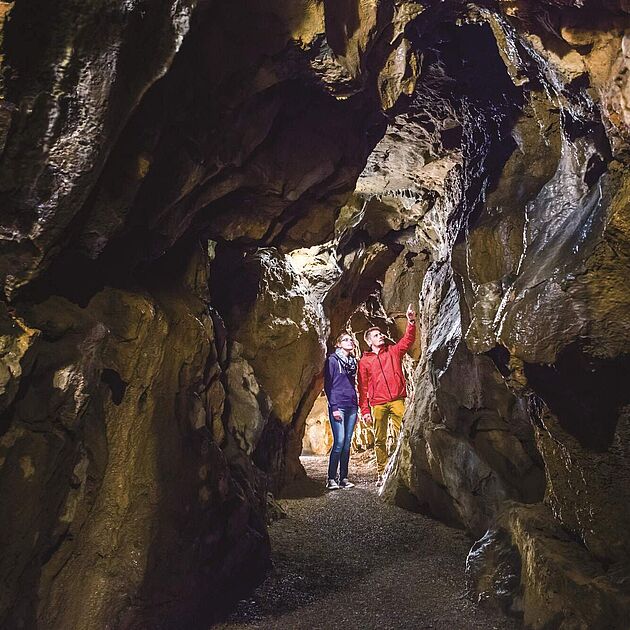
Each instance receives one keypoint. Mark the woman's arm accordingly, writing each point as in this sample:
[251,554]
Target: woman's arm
[330,370]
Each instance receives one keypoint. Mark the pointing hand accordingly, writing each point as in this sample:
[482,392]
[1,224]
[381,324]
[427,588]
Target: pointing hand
[411,314]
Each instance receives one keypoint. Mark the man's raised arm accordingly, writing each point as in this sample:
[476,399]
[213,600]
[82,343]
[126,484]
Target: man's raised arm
[410,334]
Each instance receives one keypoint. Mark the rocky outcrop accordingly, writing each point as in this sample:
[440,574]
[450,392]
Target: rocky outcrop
[110,466]
[318,438]
[526,287]
[69,90]
[528,563]
[278,329]
[467,442]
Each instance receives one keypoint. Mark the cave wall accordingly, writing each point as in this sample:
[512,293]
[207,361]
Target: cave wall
[524,324]
[112,460]
[143,424]
[196,197]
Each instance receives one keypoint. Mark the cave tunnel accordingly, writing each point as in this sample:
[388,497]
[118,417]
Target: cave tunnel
[197,197]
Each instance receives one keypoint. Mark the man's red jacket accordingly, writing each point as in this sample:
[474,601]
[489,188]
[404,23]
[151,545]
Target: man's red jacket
[381,377]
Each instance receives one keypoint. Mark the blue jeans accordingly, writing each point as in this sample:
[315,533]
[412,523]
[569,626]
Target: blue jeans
[342,432]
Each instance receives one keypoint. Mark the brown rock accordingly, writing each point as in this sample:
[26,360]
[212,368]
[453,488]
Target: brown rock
[347,158]
[105,466]
[529,546]
[318,438]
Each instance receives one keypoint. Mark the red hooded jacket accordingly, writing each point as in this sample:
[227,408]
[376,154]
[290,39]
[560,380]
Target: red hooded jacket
[381,377]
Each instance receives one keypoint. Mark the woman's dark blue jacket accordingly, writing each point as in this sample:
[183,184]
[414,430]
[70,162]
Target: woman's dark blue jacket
[340,390]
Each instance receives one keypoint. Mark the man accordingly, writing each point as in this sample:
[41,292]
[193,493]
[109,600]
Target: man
[382,386]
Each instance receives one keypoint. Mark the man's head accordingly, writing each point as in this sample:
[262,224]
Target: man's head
[374,337]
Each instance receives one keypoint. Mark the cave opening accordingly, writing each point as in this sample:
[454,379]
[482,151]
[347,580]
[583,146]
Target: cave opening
[199,198]
[379,242]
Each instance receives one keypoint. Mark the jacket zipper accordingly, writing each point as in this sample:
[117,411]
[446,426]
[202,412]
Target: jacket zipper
[389,391]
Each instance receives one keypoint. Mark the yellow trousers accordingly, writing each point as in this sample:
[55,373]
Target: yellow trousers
[382,414]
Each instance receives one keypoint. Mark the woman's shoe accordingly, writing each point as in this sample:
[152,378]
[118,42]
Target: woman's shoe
[332,484]
[344,483]
[379,481]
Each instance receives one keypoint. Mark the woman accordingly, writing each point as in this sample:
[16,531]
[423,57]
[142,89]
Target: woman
[339,385]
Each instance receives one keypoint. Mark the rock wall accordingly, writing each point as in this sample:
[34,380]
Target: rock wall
[143,422]
[112,461]
[318,437]
[278,331]
[524,324]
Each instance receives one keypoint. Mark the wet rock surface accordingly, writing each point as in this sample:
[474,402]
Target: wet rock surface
[528,562]
[346,559]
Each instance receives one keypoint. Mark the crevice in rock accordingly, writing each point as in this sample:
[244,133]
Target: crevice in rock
[117,386]
[586,393]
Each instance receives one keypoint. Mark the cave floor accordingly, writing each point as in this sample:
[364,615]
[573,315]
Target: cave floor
[345,559]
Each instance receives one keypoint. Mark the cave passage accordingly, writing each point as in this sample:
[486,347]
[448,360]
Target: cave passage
[345,559]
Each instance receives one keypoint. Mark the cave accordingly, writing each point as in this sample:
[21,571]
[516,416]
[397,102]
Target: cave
[196,197]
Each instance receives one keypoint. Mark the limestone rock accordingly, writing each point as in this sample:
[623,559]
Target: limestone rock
[105,465]
[398,75]
[493,572]
[527,545]
[249,407]
[556,347]
[17,341]
[63,123]
[280,329]
[587,487]
[346,158]
[318,438]
[277,326]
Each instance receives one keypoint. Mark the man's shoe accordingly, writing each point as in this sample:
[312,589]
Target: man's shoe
[332,484]
[344,483]
[379,481]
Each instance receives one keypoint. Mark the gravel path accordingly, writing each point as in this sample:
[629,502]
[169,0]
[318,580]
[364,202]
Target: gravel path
[345,559]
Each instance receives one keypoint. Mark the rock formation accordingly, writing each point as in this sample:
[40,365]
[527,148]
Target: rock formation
[196,197]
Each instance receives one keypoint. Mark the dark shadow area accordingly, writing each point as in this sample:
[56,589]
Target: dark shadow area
[116,385]
[585,393]
[303,488]
[501,358]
